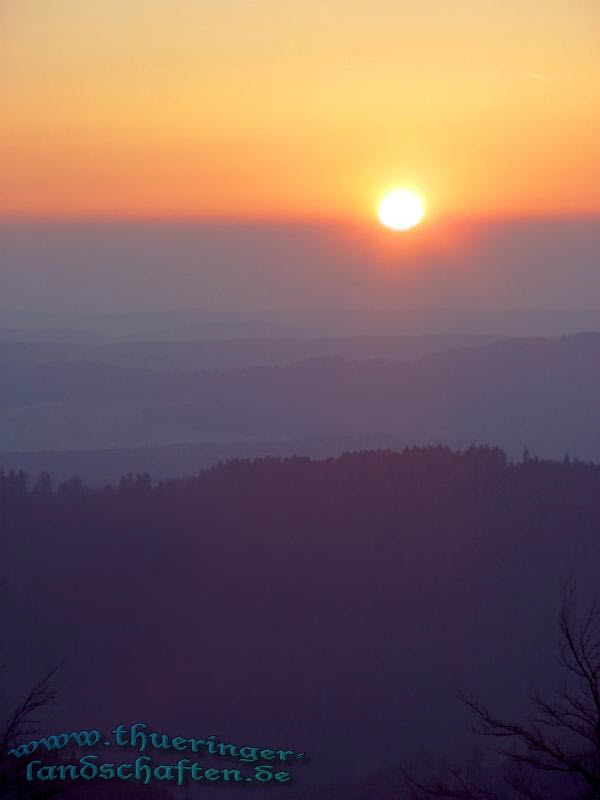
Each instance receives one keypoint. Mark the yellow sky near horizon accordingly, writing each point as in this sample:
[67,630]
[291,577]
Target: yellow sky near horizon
[281,109]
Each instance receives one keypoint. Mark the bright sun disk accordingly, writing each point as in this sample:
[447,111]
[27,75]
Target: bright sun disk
[400,209]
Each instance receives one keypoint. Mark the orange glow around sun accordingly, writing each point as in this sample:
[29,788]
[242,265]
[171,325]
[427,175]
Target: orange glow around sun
[284,110]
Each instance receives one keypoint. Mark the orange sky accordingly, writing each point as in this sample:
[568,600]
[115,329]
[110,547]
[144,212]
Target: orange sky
[279,108]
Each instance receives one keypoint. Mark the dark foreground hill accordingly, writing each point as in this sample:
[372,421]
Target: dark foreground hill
[331,606]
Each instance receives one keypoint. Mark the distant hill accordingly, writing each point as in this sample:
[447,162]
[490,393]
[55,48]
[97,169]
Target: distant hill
[222,354]
[540,393]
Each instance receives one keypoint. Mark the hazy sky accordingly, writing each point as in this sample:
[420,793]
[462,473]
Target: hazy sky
[268,269]
[279,108]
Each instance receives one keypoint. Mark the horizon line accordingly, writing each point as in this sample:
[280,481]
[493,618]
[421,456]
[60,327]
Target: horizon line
[432,220]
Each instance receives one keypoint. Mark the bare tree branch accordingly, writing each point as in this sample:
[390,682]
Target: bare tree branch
[563,735]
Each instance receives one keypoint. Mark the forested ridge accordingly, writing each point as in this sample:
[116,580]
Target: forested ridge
[333,606]
[401,471]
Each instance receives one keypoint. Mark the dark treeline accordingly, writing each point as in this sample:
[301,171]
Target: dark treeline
[333,606]
[402,470]
[387,495]
[371,493]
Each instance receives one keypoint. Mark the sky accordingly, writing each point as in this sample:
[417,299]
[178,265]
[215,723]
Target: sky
[291,274]
[276,109]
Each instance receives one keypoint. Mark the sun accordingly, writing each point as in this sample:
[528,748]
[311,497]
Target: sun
[401,209]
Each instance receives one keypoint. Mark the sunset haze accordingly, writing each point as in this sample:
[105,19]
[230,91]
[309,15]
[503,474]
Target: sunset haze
[299,110]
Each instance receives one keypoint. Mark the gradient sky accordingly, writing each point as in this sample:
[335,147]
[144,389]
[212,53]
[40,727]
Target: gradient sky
[291,109]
